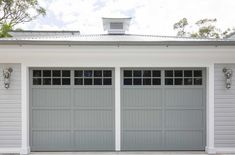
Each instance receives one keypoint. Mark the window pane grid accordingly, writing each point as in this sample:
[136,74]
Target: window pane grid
[51,77]
[183,77]
[104,77]
[142,77]
[93,77]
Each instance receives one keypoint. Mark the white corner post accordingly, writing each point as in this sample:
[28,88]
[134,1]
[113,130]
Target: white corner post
[25,110]
[210,148]
[117,109]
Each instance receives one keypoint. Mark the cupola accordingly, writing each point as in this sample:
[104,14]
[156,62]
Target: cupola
[116,25]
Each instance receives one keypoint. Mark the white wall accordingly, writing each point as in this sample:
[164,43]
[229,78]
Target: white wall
[10,109]
[117,56]
[224,110]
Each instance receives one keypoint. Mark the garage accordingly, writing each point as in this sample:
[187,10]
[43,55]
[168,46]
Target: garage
[163,109]
[72,109]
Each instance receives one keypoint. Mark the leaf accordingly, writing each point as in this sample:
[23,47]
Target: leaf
[14,12]
[180,27]
[4,30]
[205,29]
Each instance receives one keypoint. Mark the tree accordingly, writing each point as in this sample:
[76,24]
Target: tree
[228,31]
[180,27]
[205,29]
[14,12]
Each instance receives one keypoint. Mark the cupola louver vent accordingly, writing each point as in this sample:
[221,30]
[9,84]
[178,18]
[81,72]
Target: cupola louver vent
[116,25]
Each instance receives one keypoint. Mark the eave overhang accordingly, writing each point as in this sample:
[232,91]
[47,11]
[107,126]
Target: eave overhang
[119,43]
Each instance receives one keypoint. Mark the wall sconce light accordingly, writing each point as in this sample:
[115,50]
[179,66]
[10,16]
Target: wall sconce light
[228,73]
[6,75]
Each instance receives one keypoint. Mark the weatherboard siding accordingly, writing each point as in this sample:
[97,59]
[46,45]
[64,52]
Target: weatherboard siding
[224,108]
[10,108]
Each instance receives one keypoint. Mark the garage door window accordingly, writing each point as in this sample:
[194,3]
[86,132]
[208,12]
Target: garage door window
[51,77]
[142,77]
[183,77]
[93,77]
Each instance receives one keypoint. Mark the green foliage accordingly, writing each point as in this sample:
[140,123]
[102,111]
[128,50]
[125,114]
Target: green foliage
[206,21]
[13,12]
[180,27]
[205,29]
[4,31]
[228,31]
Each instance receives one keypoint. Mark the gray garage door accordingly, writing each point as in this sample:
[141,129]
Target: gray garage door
[163,109]
[71,109]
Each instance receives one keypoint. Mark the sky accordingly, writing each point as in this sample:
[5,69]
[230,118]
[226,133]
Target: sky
[154,17]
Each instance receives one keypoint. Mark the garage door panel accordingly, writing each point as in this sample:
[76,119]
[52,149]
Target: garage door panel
[141,97]
[142,119]
[184,119]
[43,97]
[184,97]
[94,140]
[93,97]
[51,119]
[184,140]
[47,140]
[93,119]
[71,109]
[141,140]
[163,109]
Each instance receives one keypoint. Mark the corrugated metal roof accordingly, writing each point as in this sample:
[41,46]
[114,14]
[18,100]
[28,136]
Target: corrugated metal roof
[103,37]
[68,38]
[30,33]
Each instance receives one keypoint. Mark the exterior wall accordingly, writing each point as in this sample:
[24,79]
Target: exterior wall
[111,56]
[10,109]
[224,109]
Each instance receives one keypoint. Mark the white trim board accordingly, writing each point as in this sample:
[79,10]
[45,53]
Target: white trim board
[117,109]
[225,150]
[25,109]
[210,109]
[10,150]
[25,103]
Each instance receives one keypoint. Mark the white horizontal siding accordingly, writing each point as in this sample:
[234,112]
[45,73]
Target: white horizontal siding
[10,108]
[224,108]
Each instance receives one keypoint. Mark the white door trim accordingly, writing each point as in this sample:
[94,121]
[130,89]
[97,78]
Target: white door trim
[210,149]
[25,149]
[117,109]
